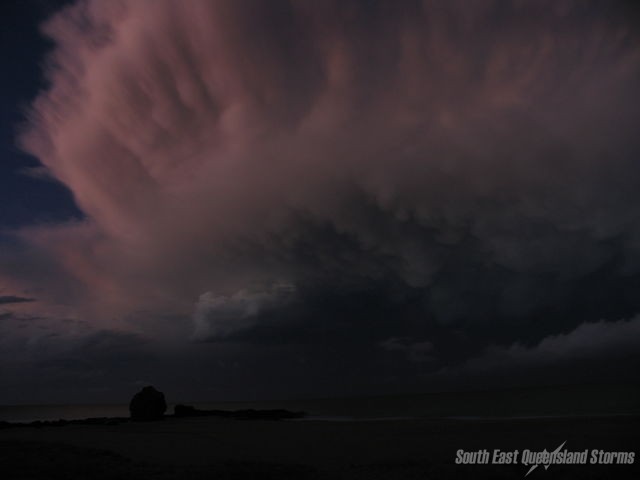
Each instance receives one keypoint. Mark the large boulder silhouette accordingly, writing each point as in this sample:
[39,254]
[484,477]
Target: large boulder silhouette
[148,404]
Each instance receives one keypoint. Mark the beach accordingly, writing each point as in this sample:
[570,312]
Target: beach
[208,448]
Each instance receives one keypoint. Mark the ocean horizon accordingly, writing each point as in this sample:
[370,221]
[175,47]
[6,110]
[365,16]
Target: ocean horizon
[538,402]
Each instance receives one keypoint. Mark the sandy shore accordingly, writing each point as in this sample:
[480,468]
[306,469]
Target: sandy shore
[208,448]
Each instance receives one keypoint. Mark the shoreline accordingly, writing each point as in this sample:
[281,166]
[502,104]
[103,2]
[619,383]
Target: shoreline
[254,415]
[213,447]
[184,412]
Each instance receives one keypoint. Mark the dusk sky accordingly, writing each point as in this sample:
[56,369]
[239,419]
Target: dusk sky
[270,199]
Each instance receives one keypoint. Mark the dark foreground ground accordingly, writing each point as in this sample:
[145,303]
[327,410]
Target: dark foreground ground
[221,449]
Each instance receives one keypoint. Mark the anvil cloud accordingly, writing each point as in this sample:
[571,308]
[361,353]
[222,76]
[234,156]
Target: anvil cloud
[452,174]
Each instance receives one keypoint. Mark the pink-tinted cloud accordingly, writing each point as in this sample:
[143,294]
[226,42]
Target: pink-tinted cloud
[202,138]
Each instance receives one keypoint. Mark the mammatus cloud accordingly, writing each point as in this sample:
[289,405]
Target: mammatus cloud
[470,169]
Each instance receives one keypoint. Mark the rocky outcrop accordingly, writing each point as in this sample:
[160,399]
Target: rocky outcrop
[277,414]
[148,404]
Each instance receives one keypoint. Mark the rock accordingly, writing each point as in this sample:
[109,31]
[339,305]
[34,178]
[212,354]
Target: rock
[185,411]
[148,404]
[190,411]
[276,414]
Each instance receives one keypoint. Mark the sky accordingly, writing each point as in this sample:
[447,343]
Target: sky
[252,200]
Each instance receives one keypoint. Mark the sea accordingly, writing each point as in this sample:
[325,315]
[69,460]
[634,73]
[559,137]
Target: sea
[539,402]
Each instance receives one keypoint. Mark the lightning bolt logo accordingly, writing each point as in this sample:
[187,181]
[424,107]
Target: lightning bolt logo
[546,467]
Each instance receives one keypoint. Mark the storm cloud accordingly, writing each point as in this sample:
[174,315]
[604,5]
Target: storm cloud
[11,299]
[425,178]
